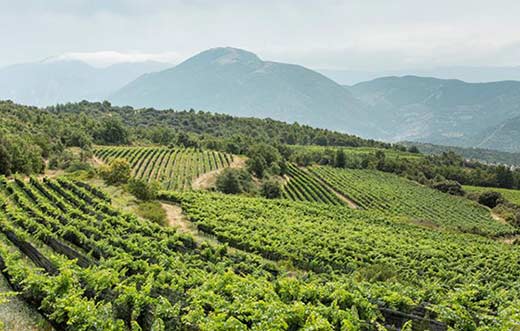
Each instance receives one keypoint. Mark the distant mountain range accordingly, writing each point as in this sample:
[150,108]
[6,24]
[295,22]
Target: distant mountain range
[447,112]
[467,74]
[237,82]
[59,81]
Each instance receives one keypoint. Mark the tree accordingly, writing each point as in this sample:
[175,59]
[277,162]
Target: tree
[340,161]
[413,149]
[228,182]
[490,199]
[271,189]
[112,132]
[256,165]
[505,177]
[142,189]
[116,172]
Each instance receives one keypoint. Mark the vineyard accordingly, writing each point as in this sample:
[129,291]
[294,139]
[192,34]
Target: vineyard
[300,186]
[512,196]
[175,168]
[86,266]
[394,195]
[469,280]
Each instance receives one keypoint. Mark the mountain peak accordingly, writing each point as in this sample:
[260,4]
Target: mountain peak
[226,55]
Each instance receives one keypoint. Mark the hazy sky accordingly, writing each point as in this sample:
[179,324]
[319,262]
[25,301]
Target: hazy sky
[360,34]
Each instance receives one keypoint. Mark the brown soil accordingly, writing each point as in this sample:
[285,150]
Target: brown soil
[208,179]
[177,219]
[498,218]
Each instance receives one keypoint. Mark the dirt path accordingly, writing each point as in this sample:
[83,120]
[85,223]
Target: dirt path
[498,218]
[177,219]
[208,179]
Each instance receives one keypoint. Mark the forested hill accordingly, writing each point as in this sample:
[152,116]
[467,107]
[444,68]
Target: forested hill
[30,134]
[212,125]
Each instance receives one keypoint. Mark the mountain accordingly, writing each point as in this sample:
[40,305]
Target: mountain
[59,81]
[487,156]
[446,112]
[504,136]
[464,73]
[237,82]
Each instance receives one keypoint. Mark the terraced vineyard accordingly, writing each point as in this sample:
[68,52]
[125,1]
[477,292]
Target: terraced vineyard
[86,266]
[175,168]
[512,196]
[394,195]
[301,186]
[471,281]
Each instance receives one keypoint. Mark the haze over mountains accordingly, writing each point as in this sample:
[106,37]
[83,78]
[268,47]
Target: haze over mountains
[58,81]
[238,82]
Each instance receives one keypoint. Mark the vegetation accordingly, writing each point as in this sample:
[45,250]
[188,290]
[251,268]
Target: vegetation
[302,186]
[116,172]
[174,168]
[468,280]
[375,190]
[88,267]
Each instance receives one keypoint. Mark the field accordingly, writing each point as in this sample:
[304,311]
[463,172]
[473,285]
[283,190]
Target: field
[300,186]
[175,168]
[394,195]
[468,279]
[512,196]
[390,153]
[90,267]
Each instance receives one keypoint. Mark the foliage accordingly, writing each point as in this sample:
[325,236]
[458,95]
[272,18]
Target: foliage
[271,189]
[173,168]
[234,181]
[153,211]
[116,172]
[142,189]
[448,186]
[393,195]
[490,199]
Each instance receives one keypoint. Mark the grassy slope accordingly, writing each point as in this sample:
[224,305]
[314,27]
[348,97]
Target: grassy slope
[511,195]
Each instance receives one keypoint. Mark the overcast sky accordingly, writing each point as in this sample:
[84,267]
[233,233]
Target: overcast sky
[360,34]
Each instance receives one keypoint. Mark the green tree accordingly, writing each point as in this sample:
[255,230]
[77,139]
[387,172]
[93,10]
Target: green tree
[271,189]
[116,172]
[340,161]
[112,132]
[143,190]
[229,182]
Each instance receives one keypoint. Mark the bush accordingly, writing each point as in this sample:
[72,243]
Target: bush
[234,181]
[153,211]
[449,186]
[228,182]
[116,172]
[271,189]
[490,199]
[142,189]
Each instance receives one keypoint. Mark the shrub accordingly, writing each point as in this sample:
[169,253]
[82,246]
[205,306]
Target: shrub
[153,211]
[449,186]
[271,189]
[234,181]
[490,199]
[142,189]
[228,182]
[116,172]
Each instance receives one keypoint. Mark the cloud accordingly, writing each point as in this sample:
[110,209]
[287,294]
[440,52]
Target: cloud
[106,58]
[353,34]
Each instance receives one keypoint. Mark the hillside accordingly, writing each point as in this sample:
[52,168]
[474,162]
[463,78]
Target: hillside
[504,136]
[239,83]
[489,156]
[438,111]
[59,81]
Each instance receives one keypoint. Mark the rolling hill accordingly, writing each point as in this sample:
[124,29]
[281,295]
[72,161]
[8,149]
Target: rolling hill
[237,82]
